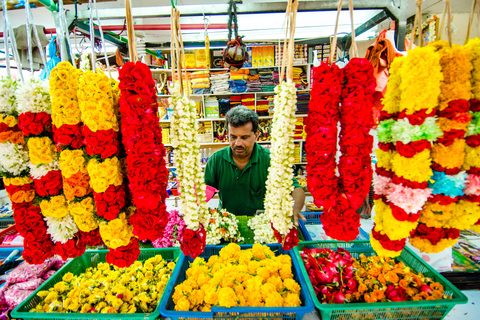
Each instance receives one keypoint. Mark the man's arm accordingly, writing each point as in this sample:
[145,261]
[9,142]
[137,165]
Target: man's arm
[299,199]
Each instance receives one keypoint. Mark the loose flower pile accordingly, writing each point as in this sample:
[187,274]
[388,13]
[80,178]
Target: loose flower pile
[238,278]
[173,233]
[260,224]
[222,225]
[109,289]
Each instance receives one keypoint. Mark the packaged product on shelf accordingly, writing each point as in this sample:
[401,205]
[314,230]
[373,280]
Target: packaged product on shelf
[201,58]
[190,61]
[265,128]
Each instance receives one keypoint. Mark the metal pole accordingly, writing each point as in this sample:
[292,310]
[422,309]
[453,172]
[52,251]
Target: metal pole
[29,37]
[37,38]
[5,37]
[103,39]
[14,46]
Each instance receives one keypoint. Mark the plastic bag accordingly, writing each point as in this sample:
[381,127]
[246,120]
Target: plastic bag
[48,274]
[28,285]
[15,297]
[25,271]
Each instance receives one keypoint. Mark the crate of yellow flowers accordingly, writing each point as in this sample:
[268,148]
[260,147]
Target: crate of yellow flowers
[89,288]
[233,282]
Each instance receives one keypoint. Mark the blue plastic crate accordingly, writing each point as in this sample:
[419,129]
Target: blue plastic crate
[5,251]
[284,313]
[314,218]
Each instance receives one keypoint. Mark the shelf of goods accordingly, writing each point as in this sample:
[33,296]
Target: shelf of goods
[167,305]
[80,265]
[412,310]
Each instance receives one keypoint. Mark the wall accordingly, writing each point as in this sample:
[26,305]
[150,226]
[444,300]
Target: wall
[460,22]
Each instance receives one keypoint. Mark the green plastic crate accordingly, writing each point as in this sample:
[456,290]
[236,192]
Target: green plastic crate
[248,234]
[411,310]
[78,266]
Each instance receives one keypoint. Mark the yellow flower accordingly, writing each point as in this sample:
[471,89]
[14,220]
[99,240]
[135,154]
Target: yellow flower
[382,252]
[416,168]
[436,215]
[391,102]
[227,298]
[56,207]
[117,232]
[104,174]
[182,305]
[425,245]
[274,300]
[472,157]
[41,150]
[17,181]
[473,46]
[465,215]
[10,121]
[451,156]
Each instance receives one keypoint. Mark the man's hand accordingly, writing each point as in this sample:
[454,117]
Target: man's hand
[298,215]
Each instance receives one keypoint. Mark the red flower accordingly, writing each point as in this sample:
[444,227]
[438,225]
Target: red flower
[407,183]
[454,107]
[392,245]
[434,235]
[148,225]
[451,172]
[442,199]
[396,294]
[68,135]
[38,251]
[50,184]
[474,105]
[400,214]
[290,240]
[111,202]
[473,141]
[410,149]
[33,124]
[386,146]
[91,238]
[449,137]
[124,256]
[73,248]
[417,118]
[194,242]
[340,221]
[102,142]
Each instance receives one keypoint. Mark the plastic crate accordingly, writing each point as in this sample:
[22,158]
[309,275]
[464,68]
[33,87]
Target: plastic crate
[6,222]
[78,266]
[314,218]
[10,231]
[248,233]
[284,313]
[411,310]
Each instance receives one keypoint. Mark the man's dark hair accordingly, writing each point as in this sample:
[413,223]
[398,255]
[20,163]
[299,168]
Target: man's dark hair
[240,116]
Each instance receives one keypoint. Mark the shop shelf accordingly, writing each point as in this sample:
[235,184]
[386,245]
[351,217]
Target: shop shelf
[78,266]
[314,218]
[411,310]
[283,313]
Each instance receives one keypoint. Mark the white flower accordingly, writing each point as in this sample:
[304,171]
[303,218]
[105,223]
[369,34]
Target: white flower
[40,170]
[222,225]
[33,96]
[7,95]
[263,233]
[279,185]
[61,229]
[85,62]
[187,157]
[13,158]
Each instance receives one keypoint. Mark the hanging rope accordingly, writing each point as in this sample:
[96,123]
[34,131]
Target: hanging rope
[8,31]
[232,19]
[354,42]
[103,39]
[37,38]
[418,17]
[288,52]
[333,47]
[92,37]
[5,37]
[28,26]
[63,23]
[177,50]
[132,45]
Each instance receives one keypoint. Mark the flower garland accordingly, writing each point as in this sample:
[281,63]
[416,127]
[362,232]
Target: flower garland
[173,233]
[117,232]
[262,231]
[340,196]
[9,130]
[406,131]
[279,186]
[472,137]
[222,225]
[433,240]
[189,173]
[142,139]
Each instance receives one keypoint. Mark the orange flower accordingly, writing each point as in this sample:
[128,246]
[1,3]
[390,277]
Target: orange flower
[381,278]
[378,294]
[225,214]
[369,298]
[392,277]
[362,288]
[436,286]
[374,271]
[417,280]
[5,136]
[416,298]
[18,138]
[402,283]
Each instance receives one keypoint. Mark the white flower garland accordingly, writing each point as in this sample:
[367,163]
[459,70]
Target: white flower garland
[278,198]
[223,225]
[85,62]
[13,158]
[187,157]
[263,233]
[61,229]
[37,171]
[33,96]
[7,95]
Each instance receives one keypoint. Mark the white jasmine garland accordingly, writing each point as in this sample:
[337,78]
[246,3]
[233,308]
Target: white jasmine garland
[13,158]
[37,171]
[222,225]
[7,95]
[263,233]
[33,96]
[187,156]
[85,62]
[279,185]
[61,229]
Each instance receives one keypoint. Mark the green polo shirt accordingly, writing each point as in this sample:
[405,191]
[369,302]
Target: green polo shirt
[241,192]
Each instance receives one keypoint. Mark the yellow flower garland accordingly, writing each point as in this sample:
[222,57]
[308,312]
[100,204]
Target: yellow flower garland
[380,251]
[456,68]
[473,46]
[63,91]
[476,228]
[436,215]
[425,245]
[10,121]
[41,150]
[103,174]
[117,232]
[96,102]
[465,215]
[422,66]
[83,214]
[55,207]
[451,156]
[72,162]
[17,181]
[386,223]
[416,168]
[391,102]
[384,158]
[472,158]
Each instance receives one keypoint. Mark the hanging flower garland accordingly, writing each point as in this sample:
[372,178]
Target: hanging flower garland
[9,131]
[173,233]
[472,149]
[222,225]
[142,139]
[279,186]
[405,132]
[433,240]
[340,196]
[189,173]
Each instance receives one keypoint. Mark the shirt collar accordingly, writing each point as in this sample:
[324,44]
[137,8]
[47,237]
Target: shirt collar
[253,159]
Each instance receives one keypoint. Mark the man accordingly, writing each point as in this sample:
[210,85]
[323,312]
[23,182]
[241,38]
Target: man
[240,171]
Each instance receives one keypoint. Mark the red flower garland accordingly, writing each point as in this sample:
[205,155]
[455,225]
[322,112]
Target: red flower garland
[340,197]
[290,241]
[73,248]
[104,143]
[142,138]
[50,184]
[111,202]
[434,235]
[68,136]
[91,238]
[193,242]
[124,256]
[392,245]
[35,123]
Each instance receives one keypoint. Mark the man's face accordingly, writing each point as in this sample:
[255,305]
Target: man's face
[242,139]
